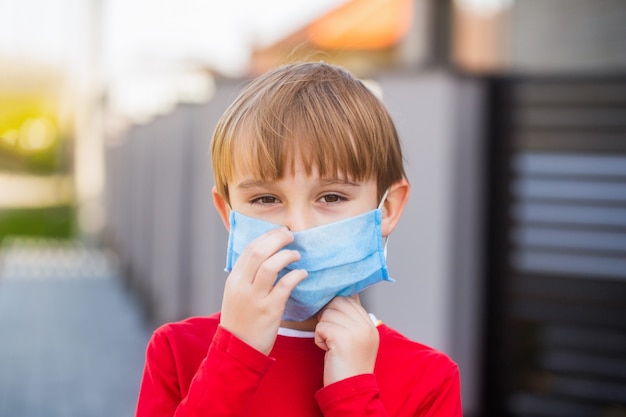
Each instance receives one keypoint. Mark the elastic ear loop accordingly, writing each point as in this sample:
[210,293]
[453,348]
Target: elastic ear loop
[380,206]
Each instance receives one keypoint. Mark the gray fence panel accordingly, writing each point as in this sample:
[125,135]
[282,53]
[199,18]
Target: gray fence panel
[209,235]
[171,141]
[141,233]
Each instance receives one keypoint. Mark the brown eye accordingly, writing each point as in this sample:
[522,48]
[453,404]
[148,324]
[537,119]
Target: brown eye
[266,199]
[332,198]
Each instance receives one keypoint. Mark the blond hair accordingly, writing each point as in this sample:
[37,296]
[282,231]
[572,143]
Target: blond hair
[315,113]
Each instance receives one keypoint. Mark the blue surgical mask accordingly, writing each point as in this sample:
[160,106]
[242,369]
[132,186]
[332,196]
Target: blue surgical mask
[341,258]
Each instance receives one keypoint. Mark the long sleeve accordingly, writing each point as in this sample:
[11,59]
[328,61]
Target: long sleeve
[360,396]
[409,380]
[223,384]
[356,396]
[446,400]
[196,368]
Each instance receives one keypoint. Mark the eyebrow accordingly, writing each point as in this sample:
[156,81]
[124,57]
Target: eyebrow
[246,184]
[252,183]
[339,181]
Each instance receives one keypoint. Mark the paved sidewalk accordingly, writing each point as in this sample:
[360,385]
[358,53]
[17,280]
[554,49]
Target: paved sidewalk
[72,340]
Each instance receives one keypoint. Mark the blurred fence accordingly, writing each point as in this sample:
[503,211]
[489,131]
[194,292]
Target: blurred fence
[556,273]
[172,244]
[161,219]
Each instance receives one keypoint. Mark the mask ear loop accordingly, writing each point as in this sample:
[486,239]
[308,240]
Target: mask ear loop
[380,206]
[382,200]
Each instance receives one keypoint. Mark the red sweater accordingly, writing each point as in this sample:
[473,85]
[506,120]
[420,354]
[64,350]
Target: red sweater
[197,368]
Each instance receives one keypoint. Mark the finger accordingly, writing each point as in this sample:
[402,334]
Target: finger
[323,329]
[341,309]
[334,313]
[338,304]
[320,341]
[281,291]
[269,269]
[355,302]
[259,250]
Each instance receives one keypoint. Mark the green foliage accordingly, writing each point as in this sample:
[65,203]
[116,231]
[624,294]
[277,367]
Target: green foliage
[57,222]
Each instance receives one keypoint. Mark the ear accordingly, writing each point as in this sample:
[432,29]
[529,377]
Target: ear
[394,205]
[222,207]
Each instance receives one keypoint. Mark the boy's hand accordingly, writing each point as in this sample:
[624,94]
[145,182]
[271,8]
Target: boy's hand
[253,306]
[350,339]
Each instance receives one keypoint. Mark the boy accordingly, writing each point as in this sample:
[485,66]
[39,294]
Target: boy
[302,159]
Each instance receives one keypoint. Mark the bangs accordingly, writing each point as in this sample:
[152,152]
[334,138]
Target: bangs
[328,126]
[268,148]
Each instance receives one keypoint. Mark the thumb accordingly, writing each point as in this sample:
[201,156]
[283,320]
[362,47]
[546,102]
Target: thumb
[320,343]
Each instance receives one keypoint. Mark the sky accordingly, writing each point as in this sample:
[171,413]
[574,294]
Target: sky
[135,34]
[220,33]
[140,51]
[139,33]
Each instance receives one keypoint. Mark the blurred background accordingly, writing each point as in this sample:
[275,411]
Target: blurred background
[511,255]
